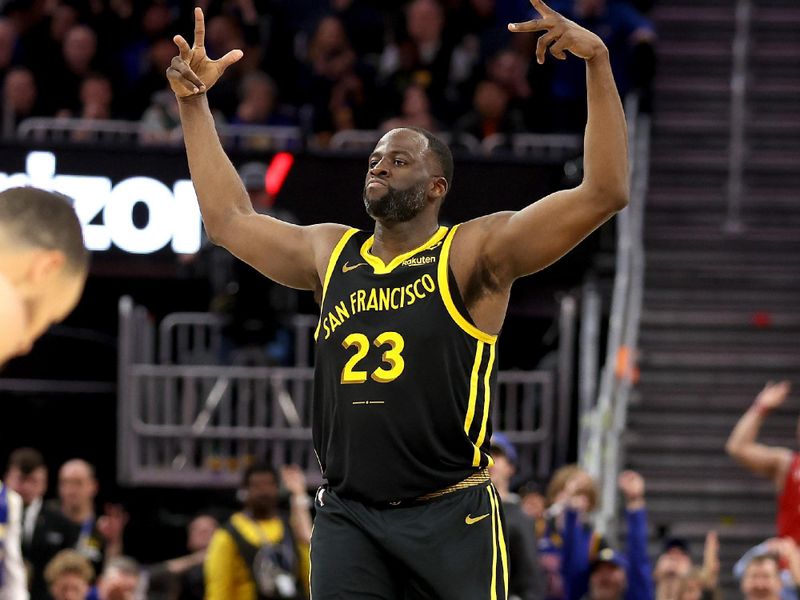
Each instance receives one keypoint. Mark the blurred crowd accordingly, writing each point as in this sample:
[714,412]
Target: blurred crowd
[71,549]
[322,65]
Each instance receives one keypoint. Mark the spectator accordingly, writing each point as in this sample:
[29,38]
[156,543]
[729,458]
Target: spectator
[260,552]
[569,485]
[20,99]
[120,580]
[97,97]
[769,547]
[525,578]
[609,575]
[45,531]
[415,111]
[762,580]
[607,580]
[69,576]
[140,92]
[259,102]
[780,465]
[100,538]
[364,25]
[335,84]
[8,44]
[675,576]
[12,569]
[672,566]
[62,86]
[490,114]
[533,501]
[182,578]
[160,123]
[423,56]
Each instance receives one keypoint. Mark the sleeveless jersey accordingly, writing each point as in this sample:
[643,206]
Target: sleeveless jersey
[403,379]
[789,503]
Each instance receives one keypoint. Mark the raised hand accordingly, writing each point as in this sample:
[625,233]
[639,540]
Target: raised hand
[562,35]
[294,480]
[711,560]
[632,486]
[773,395]
[112,524]
[192,72]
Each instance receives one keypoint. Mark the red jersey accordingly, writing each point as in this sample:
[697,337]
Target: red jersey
[789,502]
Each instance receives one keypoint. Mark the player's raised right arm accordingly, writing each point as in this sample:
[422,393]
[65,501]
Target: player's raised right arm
[289,254]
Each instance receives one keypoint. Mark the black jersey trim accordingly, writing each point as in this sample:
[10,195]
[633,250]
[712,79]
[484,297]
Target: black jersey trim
[380,268]
[447,298]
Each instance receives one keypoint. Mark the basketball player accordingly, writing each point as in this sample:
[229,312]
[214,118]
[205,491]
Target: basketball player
[43,265]
[407,333]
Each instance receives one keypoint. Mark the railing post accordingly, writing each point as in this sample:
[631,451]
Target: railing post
[738,118]
[566,372]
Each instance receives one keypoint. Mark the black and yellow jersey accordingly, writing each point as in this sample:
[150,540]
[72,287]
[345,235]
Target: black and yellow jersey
[404,379]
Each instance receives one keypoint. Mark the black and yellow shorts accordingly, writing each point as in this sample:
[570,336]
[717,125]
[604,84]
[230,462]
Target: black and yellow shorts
[450,547]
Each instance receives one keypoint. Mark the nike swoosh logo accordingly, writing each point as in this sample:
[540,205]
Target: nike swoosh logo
[436,245]
[346,268]
[470,520]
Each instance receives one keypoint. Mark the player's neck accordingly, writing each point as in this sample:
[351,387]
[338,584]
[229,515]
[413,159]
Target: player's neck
[394,239]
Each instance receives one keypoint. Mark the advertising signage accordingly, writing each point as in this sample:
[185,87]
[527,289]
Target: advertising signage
[140,202]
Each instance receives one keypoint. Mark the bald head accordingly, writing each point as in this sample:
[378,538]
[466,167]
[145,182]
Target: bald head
[77,488]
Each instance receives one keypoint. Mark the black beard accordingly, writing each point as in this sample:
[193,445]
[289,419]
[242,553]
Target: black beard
[397,206]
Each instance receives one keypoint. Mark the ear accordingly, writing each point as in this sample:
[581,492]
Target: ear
[45,265]
[439,187]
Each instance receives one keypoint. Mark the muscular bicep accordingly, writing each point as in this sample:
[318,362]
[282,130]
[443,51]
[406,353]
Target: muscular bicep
[767,461]
[524,242]
[292,255]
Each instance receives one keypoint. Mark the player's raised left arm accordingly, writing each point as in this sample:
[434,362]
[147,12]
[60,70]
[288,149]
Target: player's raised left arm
[523,242]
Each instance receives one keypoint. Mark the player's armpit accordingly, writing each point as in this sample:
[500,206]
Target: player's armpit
[292,255]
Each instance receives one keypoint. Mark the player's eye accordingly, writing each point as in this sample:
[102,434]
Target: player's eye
[398,162]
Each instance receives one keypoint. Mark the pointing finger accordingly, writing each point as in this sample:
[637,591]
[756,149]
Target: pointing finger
[183,47]
[199,28]
[534,25]
[230,58]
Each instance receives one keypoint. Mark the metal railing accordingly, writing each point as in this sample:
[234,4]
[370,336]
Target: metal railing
[738,117]
[543,146]
[186,420]
[110,131]
[274,138]
[603,422]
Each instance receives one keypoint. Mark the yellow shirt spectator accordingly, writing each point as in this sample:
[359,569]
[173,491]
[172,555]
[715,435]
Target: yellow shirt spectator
[226,574]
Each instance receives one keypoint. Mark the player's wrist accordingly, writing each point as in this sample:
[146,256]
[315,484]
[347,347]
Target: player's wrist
[599,53]
[760,409]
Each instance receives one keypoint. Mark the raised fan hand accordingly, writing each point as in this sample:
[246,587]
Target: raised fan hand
[773,395]
[192,72]
[561,35]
